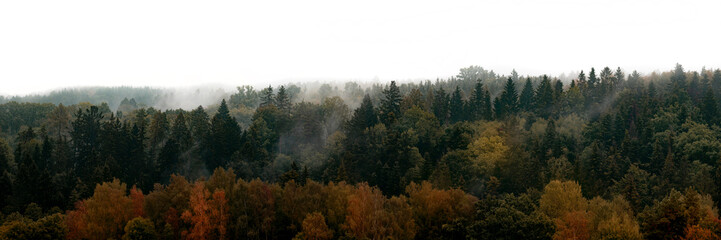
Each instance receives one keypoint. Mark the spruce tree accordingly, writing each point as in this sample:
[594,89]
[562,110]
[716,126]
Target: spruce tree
[509,97]
[544,97]
[709,109]
[456,106]
[475,103]
[526,99]
[390,108]
[363,117]
[267,97]
[180,133]
[225,136]
[440,105]
[282,100]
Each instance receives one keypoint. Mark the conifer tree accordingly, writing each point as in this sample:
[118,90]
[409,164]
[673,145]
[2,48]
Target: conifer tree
[283,100]
[225,136]
[267,97]
[456,106]
[526,99]
[709,109]
[390,108]
[440,105]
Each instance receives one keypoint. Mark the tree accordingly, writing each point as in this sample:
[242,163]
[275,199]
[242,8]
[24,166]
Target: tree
[139,229]
[390,108]
[107,211]
[709,109]
[544,97]
[573,225]
[315,228]
[508,102]
[283,100]
[207,215]
[456,106]
[59,121]
[158,132]
[526,98]
[266,96]
[669,218]
[85,134]
[475,104]
[225,135]
[180,132]
[560,198]
[440,105]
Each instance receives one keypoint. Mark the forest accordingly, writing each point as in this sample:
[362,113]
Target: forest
[480,155]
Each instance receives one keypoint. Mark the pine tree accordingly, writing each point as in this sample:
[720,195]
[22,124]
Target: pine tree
[390,108]
[526,99]
[456,106]
[225,136]
[158,132]
[709,109]
[716,83]
[440,105]
[363,117]
[487,109]
[509,97]
[266,96]
[180,133]
[475,103]
[283,100]
[544,97]
[85,134]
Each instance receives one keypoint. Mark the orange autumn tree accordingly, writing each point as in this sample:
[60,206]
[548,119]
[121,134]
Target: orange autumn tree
[432,208]
[315,228]
[104,215]
[136,195]
[372,216]
[207,215]
[573,225]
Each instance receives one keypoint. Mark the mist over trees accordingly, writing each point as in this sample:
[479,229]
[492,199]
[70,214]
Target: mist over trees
[606,155]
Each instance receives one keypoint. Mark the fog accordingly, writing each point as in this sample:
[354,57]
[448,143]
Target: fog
[49,45]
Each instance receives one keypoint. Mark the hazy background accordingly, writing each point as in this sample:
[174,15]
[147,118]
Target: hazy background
[52,44]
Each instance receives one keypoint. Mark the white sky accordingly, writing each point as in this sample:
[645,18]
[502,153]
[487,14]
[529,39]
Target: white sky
[52,44]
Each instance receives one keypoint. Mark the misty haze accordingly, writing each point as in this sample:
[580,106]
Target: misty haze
[324,120]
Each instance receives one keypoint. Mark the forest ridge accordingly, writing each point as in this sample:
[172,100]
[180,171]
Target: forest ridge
[607,155]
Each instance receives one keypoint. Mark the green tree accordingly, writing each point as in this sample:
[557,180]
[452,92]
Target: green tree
[140,229]
[544,97]
[283,100]
[225,135]
[456,106]
[709,109]
[390,108]
[508,100]
[440,105]
[267,96]
[526,98]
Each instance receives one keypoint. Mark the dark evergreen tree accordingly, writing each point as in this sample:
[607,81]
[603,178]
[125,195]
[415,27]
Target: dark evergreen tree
[85,135]
[475,103]
[526,99]
[440,105]
[363,117]
[267,96]
[456,106]
[709,109]
[282,100]
[509,98]
[544,97]
[180,133]
[225,136]
[390,108]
